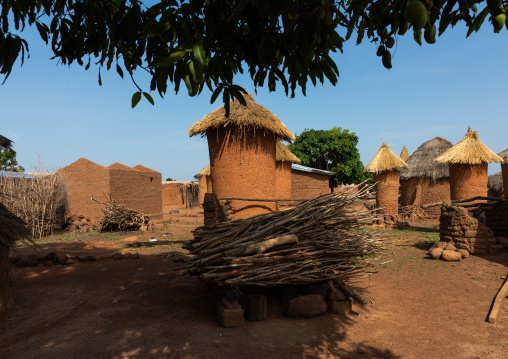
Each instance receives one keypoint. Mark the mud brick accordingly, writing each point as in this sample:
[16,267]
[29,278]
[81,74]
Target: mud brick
[231,317]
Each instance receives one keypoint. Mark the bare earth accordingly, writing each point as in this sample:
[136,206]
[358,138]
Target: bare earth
[144,308]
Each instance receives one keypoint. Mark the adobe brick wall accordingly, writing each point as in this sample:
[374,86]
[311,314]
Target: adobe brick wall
[243,166]
[464,231]
[202,188]
[420,191]
[85,179]
[283,180]
[307,185]
[504,169]
[209,187]
[467,181]
[497,219]
[387,192]
[172,194]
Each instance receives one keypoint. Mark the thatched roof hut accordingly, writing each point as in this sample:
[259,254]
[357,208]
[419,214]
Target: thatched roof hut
[283,154]
[468,163]
[204,172]
[426,181]
[205,183]
[421,163]
[385,166]
[495,185]
[404,154]
[385,160]
[504,155]
[252,116]
[242,150]
[5,142]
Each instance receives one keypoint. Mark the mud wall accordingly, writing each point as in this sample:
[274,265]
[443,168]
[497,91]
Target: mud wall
[137,190]
[202,188]
[387,192]
[85,179]
[243,166]
[282,180]
[457,226]
[504,169]
[173,194]
[497,219]
[420,191]
[467,181]
[307,185]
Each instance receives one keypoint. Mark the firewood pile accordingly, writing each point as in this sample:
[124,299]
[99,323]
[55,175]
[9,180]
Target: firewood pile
[317,240]
[119,218]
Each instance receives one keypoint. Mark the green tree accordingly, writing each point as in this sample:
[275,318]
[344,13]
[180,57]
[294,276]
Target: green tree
[8,161]
[208,42]
[332,150]
[169,179]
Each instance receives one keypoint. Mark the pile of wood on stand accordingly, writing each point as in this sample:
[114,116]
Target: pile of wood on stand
[118,218]
[315,241]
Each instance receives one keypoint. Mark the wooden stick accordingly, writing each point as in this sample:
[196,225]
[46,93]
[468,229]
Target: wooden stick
[349,292]
[503,291]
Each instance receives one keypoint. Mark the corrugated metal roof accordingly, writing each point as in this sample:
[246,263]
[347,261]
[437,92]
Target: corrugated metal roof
[15,174]
[297,167]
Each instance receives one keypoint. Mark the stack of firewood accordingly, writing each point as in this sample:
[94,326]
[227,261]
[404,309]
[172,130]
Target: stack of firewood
[119,218]
[320,239]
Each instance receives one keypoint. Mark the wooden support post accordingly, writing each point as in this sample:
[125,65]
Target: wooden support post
[503,292]
[257,307]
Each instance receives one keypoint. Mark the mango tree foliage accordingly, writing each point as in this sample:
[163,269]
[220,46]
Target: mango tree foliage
[8,161]
[333,150]
[207,42]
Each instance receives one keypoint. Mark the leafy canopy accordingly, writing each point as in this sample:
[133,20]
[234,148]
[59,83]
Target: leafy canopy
[8,161]
[208,42]
[332,150]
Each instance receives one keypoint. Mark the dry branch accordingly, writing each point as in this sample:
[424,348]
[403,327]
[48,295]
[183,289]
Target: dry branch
[118,218]
[311,242]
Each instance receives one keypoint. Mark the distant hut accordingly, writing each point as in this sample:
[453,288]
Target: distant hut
[495,185]
[426,181]
[284,159]
[468,163]
[504,170]
[404,154]
[242,154]
[5,142]
[386,166]
[205,183]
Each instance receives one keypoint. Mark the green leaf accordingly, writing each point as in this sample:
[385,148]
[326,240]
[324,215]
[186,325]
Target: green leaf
[149,98]
[417,34]
[42,28]
[199,53]
[478,21]
[100,80]
[173,57]
[225,99]
[136,97]
[119,70]
[216,93]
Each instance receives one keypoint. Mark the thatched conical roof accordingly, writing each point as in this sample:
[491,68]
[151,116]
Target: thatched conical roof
[251,116]
[495,185]
[384,160]
[504,155]
[5,142]
[283,154]
[204,172]
[421,163]
[470,150]
[12,229]
[404,154]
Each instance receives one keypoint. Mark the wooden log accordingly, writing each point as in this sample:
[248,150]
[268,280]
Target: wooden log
[503,292]
[257,308]
[349,292]
[261,247]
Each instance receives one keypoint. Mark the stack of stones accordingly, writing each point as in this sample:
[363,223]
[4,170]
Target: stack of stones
[466,232]
[215,211]
[447,252]
[78,222]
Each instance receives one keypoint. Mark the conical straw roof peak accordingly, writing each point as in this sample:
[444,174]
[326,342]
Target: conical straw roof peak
[283,154]
[470,150]
[251,116]
[204,172]
[404,154]
[504,155]
[421,163]
[384,160]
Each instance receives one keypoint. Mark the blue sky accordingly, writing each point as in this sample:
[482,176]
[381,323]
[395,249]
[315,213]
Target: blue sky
[57,114]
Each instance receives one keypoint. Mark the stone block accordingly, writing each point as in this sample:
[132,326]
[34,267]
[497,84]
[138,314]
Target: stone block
[340,307]
[470,234]
[464,253]
[450,247]
[451,256]
[435,253]
[230,318]
[309,305]
[447,238]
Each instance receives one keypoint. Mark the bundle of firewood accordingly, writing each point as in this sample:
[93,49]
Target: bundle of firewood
[317,240]
[118,218]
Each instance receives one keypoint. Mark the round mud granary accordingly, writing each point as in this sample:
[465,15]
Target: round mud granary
[242,150]
[504,170]
[205,183]
[426,181]
[284,159]
[468,163]
[385,166]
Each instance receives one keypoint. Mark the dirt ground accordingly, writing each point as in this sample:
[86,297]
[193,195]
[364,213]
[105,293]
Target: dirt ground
[145,308]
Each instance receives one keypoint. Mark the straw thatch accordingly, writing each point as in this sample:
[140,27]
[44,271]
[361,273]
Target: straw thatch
[495,185]
[404,154]
[12,229]
[5,142]
[283,154]
[252,116]
[470,150]
[204,172]
[384,160]
[421,163]
[504,155]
